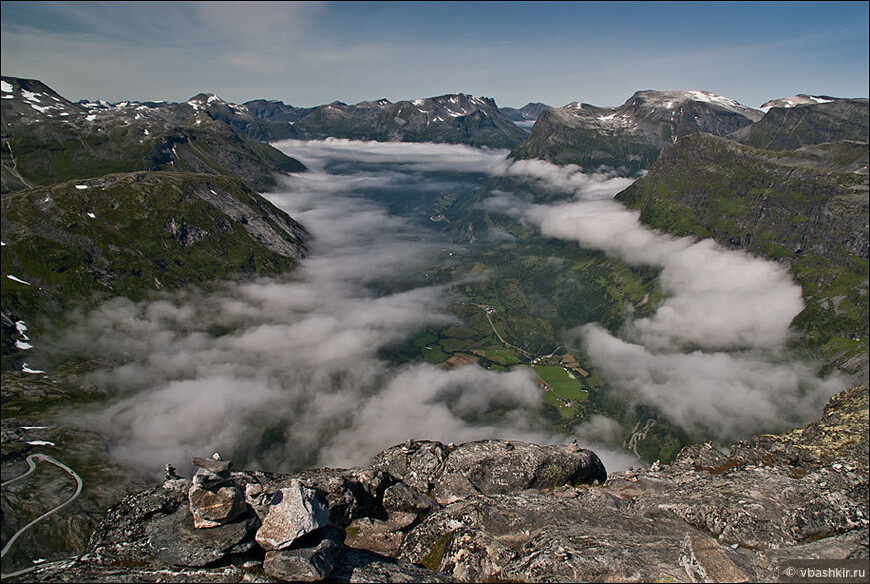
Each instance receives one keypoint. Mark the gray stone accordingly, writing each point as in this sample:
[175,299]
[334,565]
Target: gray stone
[357,565]
[212,465]
[494,467]
[293,512]
[707,561]
[488,467]
[453,487]
[309,564]
[417,465]
[211,508]
[178,485]
[398,520]
[401,497]
[175,540]
[350,493]
[374,535]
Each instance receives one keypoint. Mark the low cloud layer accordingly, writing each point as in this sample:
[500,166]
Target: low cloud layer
[717,298]
[285,374]
[406,156]
[713,357]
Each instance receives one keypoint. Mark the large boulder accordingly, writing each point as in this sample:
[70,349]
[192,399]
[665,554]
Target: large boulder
[349,493]
[377,535]
[175,539]
[293,512]
[492,467]
[308,564]
[488,467]
[415,463]
[400,497]
[498,467]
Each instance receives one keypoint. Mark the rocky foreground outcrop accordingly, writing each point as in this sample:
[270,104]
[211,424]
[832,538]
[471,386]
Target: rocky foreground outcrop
[503,511]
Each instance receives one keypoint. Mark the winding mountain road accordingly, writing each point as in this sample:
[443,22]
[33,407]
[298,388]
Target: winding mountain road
[31,463]
[486,311]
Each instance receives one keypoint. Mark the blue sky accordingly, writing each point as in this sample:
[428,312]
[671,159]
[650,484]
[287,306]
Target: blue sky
[308,53]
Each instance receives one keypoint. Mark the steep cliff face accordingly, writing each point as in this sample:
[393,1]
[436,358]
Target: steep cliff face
[807,208]
[629,138]
[496,511]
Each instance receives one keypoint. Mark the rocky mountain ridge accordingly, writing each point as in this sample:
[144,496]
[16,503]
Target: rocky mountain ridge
[629,137]
[496,510]
[529,112]
[795,100]
[102,200]
[816,121]
[806,208]
[452,119]
[48,139]
[526,116]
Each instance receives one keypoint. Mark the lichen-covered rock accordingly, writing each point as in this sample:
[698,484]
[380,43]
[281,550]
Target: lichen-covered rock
[496,467]
[175,540]
[293,512]
[307,564]
[401,497]
[469,555]
[355,565]
[590,554]
[374,535]
[350,493]
[215,506]
[705,560]
[415,463]
[487,467]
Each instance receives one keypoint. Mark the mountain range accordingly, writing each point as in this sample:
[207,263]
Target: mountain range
[630,137]
[120,199]
[48,139]
[686,140]
[102,200]
[451,119]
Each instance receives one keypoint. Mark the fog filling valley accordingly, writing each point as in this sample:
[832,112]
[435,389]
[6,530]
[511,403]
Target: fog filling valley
[288,373]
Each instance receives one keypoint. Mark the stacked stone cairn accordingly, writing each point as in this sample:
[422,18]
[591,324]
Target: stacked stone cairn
[214,499]
[229,514]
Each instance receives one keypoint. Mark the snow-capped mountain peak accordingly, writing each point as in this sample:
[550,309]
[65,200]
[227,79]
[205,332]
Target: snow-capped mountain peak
[795,100]
[673,99]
